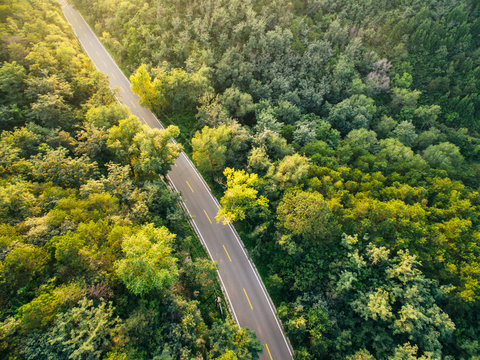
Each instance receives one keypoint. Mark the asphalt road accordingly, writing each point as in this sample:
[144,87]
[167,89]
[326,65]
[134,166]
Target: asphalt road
[250,304]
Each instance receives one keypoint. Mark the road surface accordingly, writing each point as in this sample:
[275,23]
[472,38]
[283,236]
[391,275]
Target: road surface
[248,299]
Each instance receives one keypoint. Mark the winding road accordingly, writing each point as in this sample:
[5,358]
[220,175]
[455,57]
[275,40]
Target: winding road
[248,299]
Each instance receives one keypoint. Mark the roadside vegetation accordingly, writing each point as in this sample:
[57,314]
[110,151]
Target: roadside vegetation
[343,139]
[97,258]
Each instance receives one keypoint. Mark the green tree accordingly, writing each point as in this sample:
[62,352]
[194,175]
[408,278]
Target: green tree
[405,133]
[291,170]
[148,264]
[61,169]
[444,155]
[84,332]
[120,140]
[240,196]
[306,214]
[156,151]
[12,83]
[352,113]
[106,115]
[210,148]
[228,337]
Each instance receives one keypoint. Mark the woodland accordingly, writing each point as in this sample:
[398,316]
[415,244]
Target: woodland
[97,258]
[341,137]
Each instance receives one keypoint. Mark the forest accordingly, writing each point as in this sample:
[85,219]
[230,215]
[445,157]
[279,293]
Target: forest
[341,137]
[97,258]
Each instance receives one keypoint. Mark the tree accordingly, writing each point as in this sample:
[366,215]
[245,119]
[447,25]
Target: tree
[444,155]
[120,139]
[405,133]
[84,332]
[210,147]
[291,170]
[172,90]
[22,267]
[12,83]
[106,115]
[352,113]
[237,103]
[258,161]
[240,196]
[42,311]
[61,169]
[17,202]
[305,131]
[51,110]
[211,112]
[142,86]
[156,151]
[362,138]
[92,141]
[148,264]
[391,298]
[306,214]
[227,338]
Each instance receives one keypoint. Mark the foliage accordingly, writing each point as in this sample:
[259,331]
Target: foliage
[97,260]
[148,264]
[240,196]
[366,110]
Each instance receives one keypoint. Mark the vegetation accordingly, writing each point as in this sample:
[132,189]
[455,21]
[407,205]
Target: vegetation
[342,136]
[97,259]
[347,133]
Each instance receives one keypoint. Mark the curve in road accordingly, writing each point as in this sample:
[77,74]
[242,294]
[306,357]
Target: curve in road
[248,299]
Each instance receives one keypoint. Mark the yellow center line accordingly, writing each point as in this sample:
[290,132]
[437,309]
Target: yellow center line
[208,217]
[229,258]
[189,186]
[269,352]
[251,307]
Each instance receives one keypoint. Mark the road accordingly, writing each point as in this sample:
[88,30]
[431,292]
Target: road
[248,299]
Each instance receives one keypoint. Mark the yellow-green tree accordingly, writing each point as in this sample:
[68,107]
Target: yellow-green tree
[156,151]
[172,89]
[148,264]
[240,196]
[210,148]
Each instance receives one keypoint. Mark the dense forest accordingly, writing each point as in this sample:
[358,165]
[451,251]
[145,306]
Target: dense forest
[97,259]
[342,138]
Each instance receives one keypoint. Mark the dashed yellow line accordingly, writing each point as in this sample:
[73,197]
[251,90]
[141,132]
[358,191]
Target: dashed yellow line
[251,307]
[266,345]
[208,217]
[192,190]
[229,258]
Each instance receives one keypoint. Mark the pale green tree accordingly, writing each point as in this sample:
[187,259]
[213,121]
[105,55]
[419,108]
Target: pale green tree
[444,155]
[106,115]
[405,133]
[148,264]
[58,167]
[84,332]
[258,161]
